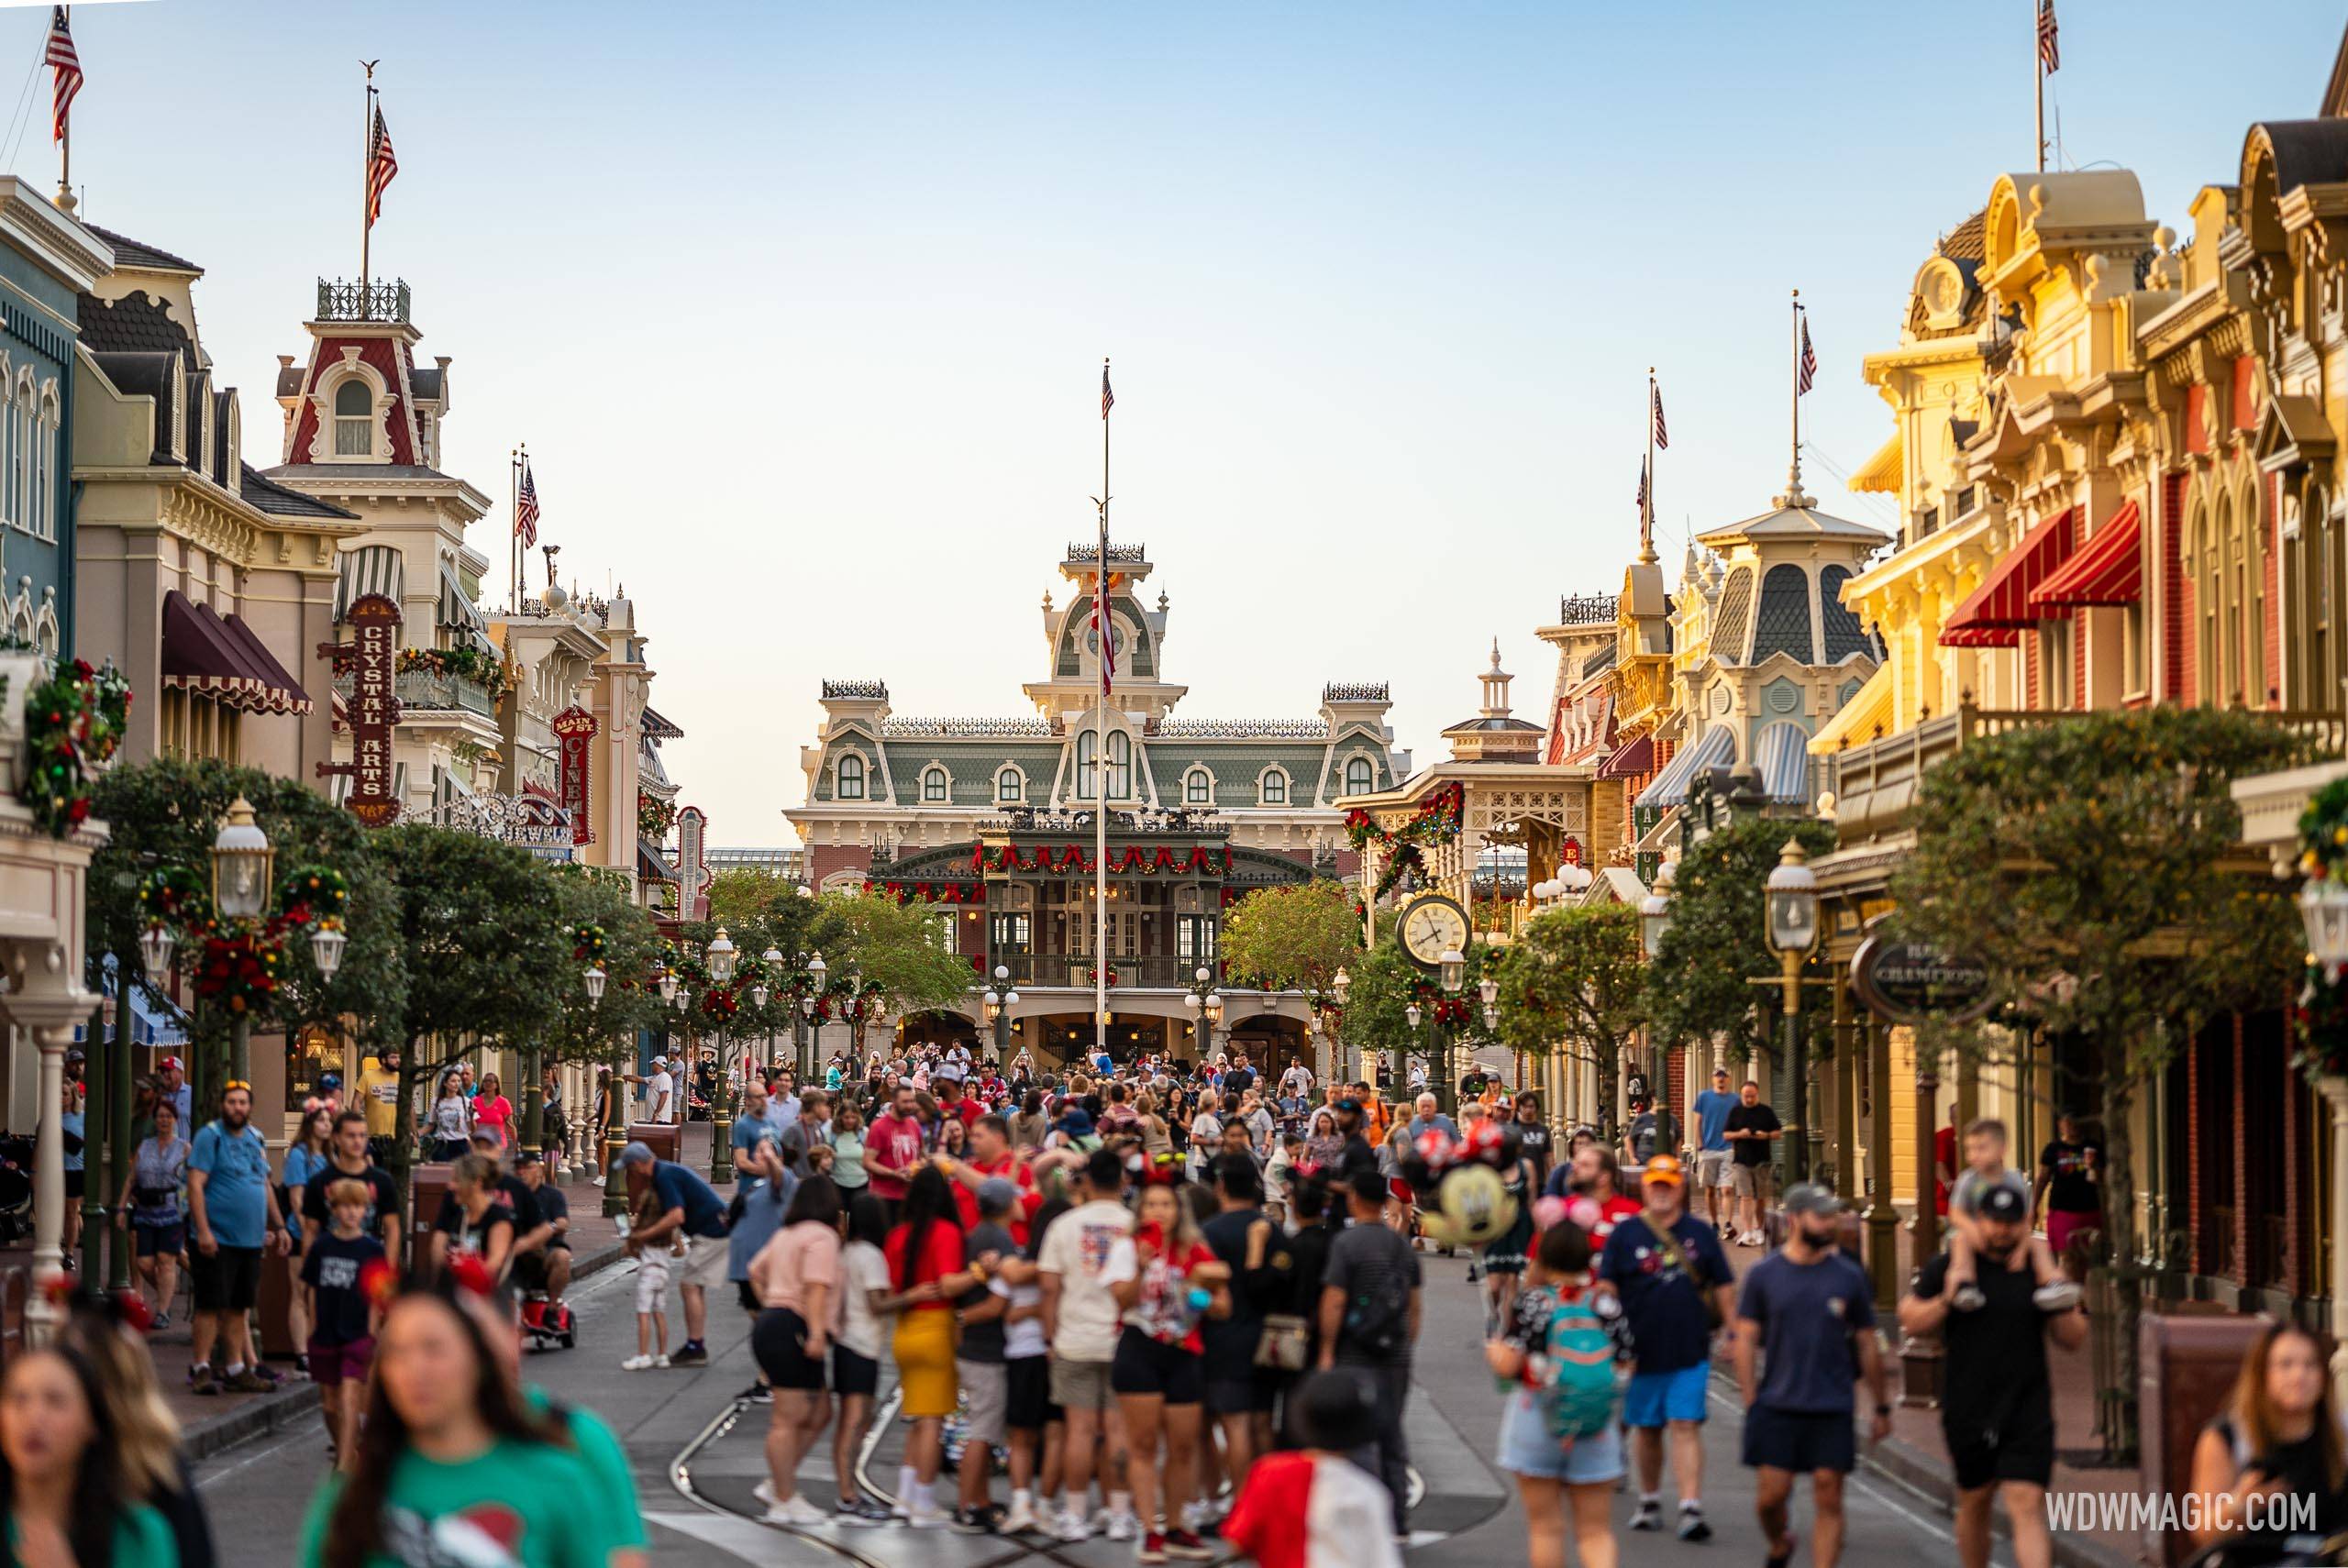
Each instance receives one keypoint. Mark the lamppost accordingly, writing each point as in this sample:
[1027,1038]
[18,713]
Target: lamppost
[1453,968]
[1414,1013]
[719,956]
[1339,985]
[998,1002]
[814,1047]
[1792,930]
[1206,1005]
[771,963]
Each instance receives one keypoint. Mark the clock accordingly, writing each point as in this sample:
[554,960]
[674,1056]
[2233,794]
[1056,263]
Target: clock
[1430,926]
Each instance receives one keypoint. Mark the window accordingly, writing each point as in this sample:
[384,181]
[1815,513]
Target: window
[1008,788]
[1198,787]
[933,785]
[354,419]
[851,778]
[1120,765]
[12,432]
[945,934]
[1360,778]
[1194,940]
[1272,789]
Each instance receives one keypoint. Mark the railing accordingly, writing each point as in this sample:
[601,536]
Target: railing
[875,690]
[1091,551]
[1244,729]
[1073,971]
[340,299]
[1588,609]
[432,692]
[897,729]
[1355,692]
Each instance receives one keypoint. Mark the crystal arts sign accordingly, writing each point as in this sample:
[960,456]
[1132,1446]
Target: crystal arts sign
[372,657]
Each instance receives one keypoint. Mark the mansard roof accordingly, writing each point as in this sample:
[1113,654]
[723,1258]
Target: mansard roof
[141,256]
[135,324]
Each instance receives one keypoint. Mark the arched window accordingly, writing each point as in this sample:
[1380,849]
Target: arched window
[1198,787]
[851,776]
[1009,788]
[933,785]
[1360,778]
[1272,789]
[354,419]
[1120,765]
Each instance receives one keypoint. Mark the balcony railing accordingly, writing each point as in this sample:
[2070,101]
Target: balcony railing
[1877,784]
[1074,971]
[340,299]
[427,692]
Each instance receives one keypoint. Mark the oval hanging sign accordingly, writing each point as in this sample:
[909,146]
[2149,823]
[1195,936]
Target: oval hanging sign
[1908,982]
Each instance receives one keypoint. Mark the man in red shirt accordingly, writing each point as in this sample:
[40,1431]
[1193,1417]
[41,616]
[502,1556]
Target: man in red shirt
[954,1100]
[892,1150]
[992,1155]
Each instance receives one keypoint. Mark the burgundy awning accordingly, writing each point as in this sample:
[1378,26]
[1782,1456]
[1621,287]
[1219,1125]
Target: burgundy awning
[1994,615]
[1635,760]
[200,656]
[281,693]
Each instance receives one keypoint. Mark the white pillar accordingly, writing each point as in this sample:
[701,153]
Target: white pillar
[2335,1095]
[48,1159]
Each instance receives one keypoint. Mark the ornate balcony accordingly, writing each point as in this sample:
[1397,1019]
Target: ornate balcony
[340,299]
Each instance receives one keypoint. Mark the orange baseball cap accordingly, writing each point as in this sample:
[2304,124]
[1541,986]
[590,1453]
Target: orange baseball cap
[1664,1168]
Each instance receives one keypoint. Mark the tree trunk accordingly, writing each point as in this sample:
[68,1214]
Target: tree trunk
[1610,1081]
[403,1153]
[2116,1401]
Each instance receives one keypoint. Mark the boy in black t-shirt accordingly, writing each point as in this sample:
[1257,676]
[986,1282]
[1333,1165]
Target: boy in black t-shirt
[342,1337]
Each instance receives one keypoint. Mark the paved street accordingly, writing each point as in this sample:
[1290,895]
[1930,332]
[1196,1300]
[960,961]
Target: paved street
[697,1456]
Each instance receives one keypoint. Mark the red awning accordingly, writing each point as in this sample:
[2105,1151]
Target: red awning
[281,693]
[200,656]
[1994,615]
[2108,569]
[1635,760]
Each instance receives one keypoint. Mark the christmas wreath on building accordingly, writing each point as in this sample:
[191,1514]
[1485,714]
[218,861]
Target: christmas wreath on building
[74,725]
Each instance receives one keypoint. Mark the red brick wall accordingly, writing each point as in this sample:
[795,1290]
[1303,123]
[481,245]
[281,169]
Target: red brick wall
[2270,620]
[827,859]
[2298,1171]
[2079,659]
[2245,390]
[2175,628]
[2238,1055]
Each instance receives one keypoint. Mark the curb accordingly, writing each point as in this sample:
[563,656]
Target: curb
[265,1413]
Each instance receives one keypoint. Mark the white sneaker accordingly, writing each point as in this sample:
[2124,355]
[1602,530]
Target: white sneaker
[1194,1515]
[636,1363]
[597,1179]
[662,1362]
[796,1511]
[1071,1525]
[764,1492]
[1020,1519]
[1123,1525]
[931,1517]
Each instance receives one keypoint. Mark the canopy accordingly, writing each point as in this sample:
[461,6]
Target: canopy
[2108,569]
[223,658]
[1783,756]
[280,692]
[1994,615]
[457,613]
[1629,761]
[1716,748]
[370,568]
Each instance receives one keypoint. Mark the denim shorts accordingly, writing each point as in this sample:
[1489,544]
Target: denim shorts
[1527,1449]
[1657,1397]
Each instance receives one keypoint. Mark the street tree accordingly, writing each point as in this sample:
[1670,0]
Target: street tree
[605,929]
[1292,939]
[1701,985]
[1576,978]
[899,947]
[2085,864]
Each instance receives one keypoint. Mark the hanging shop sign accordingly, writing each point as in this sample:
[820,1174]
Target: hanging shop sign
[575,727]
[1909,982]
[371,657]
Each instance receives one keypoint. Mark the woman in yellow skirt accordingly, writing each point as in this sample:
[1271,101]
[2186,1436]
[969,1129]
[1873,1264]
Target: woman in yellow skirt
[925,1265]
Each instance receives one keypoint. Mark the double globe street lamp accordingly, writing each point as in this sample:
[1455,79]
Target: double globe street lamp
[1204,1002]
[997,1003]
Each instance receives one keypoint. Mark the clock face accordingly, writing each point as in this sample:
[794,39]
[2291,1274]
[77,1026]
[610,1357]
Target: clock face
[1433,926]
[1116,640]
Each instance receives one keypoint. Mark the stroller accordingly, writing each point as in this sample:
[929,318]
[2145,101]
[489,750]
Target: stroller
[545,1324]
[16,1187]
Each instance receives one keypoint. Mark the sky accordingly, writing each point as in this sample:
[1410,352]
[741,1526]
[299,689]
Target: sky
[799,308]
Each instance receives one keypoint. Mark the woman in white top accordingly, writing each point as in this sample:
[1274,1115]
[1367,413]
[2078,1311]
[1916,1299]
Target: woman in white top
[452,1119]
[866,1299]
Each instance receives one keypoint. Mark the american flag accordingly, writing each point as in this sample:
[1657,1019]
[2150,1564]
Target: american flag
[1654,397]
[1103,627]
[383,167]
[68,66]
[1807,375]
[1108,398]
[2050,57]
[1642,487]
[526,508]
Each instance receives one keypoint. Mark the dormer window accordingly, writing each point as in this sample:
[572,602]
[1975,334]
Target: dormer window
[1272,789]
[851,778]
[354,419]
[1198,787]
[933,785]
[1120,765]
[1009,788]
[1359,775]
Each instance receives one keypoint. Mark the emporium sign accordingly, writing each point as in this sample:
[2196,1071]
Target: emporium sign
[1909,982]
[575,727]
[371,657]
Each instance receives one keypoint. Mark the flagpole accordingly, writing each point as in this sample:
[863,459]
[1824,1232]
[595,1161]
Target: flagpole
[1106,654]
[2038,80]
[514,522]
[1793,474]
[1646,512]
[366,169]
[65,142]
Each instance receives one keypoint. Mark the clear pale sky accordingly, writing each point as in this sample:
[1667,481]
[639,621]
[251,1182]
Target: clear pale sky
[800,308]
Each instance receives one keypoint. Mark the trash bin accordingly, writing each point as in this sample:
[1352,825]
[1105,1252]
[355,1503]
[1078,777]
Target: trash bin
[665,1138]
[2187,1367]
[427,1185]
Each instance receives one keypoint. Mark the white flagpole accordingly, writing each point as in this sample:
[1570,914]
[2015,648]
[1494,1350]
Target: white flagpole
[1646,512]
[2038,78]
[1793,480]
[1101,757]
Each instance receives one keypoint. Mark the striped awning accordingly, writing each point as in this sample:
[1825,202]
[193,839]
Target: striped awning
[2108,569]
[1885,471]
[457,613]
[1994,615]
[1782,754]
[370,568]
[1715,749]
[1629,761]
[281,691]
[224,660]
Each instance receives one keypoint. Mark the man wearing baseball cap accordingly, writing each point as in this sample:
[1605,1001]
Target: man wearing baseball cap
[1677,1291]
[1998,1415]
[1808,1312]
[171,1079]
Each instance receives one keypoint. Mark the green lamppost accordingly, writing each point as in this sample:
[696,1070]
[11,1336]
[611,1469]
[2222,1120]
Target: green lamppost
[720,955]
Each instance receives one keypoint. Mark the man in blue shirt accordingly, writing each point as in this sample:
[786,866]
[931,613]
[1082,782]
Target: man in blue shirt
[1807,1312]
[1713,1152]
[1675,1285]
[233,1216]
[690,1206]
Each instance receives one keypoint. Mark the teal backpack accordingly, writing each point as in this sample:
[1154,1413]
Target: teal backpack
[1577,1387]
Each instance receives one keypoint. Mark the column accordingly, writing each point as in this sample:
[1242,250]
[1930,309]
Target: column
[2335,1099]
[1847,1027]
[1883,1219]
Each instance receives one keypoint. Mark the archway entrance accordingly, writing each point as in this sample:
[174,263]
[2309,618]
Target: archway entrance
[940,1027]
[1271,1042]
[1068,1039]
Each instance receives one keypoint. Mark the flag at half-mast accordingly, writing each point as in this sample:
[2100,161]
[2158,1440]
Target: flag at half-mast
[1654,401]
[2050,55]
[383,167]
[526,507]
[66,64]
[1807,375]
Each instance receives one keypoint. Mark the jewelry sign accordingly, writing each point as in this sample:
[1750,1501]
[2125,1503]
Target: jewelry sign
[574,727]
[372,657]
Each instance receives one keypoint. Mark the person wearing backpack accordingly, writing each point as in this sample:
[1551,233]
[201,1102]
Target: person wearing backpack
[1556,1356]
[1805,1333]
[1369,1321]
[1667,1268]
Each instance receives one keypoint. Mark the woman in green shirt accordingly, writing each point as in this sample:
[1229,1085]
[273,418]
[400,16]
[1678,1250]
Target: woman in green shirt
[451,1463]
[60,1475]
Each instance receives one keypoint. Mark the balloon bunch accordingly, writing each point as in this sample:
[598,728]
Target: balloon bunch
[1462,1199]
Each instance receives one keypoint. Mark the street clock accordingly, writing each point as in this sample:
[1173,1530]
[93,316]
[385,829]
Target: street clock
[1431,926]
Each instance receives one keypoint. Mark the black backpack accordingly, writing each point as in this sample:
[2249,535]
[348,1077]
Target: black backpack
[1378,1316]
